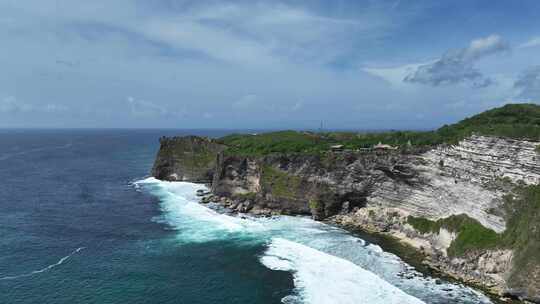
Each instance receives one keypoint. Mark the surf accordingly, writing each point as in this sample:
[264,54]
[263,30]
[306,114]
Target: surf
[322,278]
[327,263]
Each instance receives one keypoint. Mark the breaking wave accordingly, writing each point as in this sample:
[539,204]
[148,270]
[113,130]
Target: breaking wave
[322,278]
[329,265]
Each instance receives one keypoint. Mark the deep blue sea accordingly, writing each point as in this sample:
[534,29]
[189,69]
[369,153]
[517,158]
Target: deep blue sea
[81,222]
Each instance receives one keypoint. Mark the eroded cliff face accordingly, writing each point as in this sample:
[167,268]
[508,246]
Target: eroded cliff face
[190,158]
[380,191]
[320,185]
[470,178]
[467,178]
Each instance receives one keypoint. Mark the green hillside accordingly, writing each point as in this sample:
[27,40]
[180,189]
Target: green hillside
[520,121]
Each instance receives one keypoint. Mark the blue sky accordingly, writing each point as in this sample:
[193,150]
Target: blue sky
[263,64]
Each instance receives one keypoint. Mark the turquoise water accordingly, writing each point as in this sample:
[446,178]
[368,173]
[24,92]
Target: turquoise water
[80,222]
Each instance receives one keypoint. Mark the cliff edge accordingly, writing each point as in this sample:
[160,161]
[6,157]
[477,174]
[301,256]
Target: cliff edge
[189,158]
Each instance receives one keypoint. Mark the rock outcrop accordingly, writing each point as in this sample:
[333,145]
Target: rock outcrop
[190,158]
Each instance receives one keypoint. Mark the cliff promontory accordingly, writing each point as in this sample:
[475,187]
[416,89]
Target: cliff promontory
[466,196]
[189,158]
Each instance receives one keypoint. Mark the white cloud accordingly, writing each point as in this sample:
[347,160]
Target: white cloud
[395,75]
[529,84]
[262,33]
[145,109]
[481,47]
[249,33]
[12,105]
[54,108]
[458,66]
[533,42]
[255,61]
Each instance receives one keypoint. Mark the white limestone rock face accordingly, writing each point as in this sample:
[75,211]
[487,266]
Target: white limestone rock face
[479,159]
[458,180]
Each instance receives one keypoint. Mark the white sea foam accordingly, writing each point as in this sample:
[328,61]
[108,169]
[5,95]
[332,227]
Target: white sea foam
[316,253]
[60,262]
[322,278]
[195,222]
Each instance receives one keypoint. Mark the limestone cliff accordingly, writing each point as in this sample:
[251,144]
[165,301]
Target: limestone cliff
[190,158]
[432,200]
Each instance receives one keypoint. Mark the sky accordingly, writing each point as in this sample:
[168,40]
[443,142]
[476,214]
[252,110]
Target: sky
[356,64]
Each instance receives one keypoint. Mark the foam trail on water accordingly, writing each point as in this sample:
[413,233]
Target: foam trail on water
[62,260]
[321,278]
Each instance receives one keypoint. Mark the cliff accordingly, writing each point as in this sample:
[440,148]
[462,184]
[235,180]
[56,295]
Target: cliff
[458,211]
[189,158]
[470,203]
[293,184]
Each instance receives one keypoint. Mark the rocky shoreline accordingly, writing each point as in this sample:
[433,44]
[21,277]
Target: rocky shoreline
[482,269]
[417,255]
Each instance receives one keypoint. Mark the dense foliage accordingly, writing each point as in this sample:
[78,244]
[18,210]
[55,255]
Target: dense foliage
[470,233]
[282,141]
[521,121]
[523,232]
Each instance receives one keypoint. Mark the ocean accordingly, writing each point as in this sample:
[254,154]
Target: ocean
[82,222]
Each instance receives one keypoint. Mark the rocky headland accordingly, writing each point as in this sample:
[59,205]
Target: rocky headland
[469,202]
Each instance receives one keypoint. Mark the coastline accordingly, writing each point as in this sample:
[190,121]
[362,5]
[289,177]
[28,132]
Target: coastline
[387,241]
[416,258]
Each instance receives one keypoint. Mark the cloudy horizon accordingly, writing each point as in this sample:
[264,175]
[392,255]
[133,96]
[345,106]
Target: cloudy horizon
[263,64]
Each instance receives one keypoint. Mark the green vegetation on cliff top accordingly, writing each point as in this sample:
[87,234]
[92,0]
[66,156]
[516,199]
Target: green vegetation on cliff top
[520,121]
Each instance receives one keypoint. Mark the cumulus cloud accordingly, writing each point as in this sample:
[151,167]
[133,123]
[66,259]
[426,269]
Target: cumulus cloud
[458,66]
[529,84]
